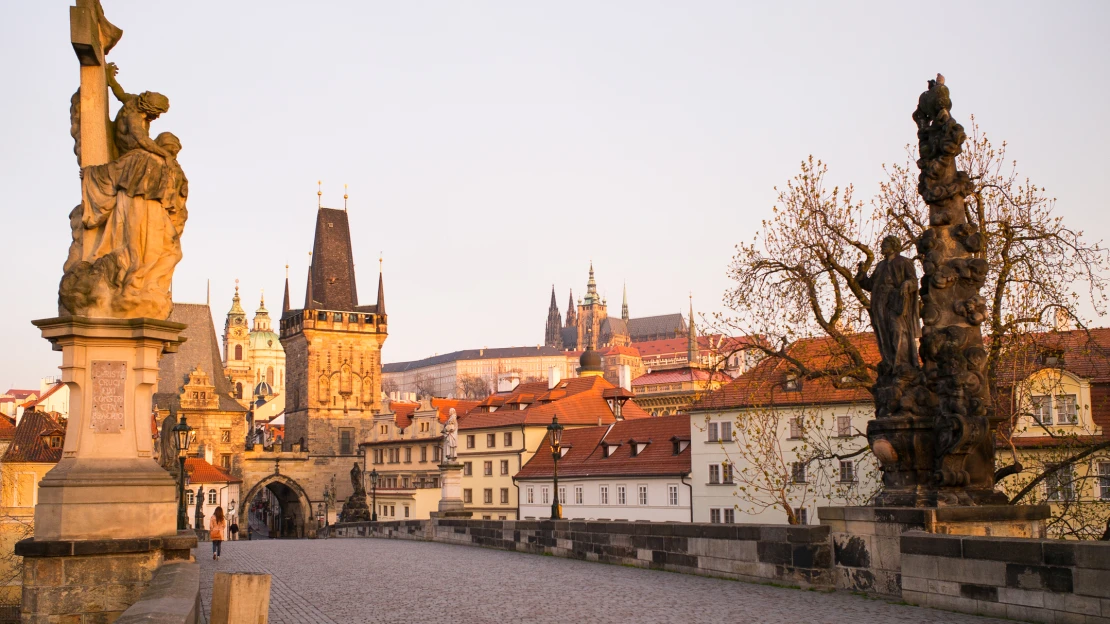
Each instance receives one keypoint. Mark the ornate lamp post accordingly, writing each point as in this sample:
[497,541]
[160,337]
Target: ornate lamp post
[374,494]
[555,433]
[181,439]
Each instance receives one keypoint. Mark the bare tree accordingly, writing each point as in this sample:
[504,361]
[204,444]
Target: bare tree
[424,385]
[472,387]
[389,386]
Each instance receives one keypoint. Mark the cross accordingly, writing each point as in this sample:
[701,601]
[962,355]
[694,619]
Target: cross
[93,37]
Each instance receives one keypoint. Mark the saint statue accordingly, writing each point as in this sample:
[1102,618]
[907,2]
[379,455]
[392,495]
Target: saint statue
[450,437]
[356,481]
[894,308]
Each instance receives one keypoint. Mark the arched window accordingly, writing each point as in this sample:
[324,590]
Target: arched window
[238,352]
[270,375]
[212,497]
[239,390]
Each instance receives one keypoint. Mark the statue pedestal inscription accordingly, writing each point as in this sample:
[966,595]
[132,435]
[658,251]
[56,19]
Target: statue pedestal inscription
[107,485]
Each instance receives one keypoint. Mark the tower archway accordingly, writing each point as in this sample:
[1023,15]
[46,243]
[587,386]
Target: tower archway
[280,504]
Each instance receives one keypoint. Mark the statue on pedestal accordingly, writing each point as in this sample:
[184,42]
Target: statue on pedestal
[451,437]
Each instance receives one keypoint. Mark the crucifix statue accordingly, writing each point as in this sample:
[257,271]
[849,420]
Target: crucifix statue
[126,230]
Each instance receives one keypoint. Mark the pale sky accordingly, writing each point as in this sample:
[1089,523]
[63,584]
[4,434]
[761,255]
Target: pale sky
[494,148]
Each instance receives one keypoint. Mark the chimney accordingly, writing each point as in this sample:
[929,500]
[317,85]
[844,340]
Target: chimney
[507,382]
[624,375]
[554,376]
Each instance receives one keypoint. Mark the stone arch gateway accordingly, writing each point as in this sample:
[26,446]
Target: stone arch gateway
[293,516]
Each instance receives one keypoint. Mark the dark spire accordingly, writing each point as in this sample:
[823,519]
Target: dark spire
[309,304]
[332,273]
[285,301]
[380,308]
[691,337]
[553,337]
[572,316]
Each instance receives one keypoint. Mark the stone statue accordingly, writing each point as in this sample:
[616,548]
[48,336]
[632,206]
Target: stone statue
[450,437]
[126,231]
[198,514]
[356,481]
[894,308]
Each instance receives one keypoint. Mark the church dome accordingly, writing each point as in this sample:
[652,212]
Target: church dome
[263,389]
[265,341]
[590,360]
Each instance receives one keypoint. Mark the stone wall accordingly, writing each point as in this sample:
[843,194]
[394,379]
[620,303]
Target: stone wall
[799,556]
[173,597]
[1027,579]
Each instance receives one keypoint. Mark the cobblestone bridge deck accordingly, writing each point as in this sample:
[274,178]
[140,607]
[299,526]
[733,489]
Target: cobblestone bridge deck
[377,580]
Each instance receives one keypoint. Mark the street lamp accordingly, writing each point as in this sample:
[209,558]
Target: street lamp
[555,433]
[374,494]
[181,439]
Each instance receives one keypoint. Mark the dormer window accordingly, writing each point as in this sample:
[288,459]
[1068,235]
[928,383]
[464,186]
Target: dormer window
[636,448]
[792,383]
[678,445]
[610,449]
[1052,357]
[55,441]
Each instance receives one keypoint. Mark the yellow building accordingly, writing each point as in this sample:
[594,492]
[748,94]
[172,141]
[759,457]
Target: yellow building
[670,392]
[506,430]
[34,449]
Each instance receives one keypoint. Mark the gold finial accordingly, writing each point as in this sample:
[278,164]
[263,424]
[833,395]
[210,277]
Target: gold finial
[287,271]
[237,286]
[319,193]
[380,258]
[344,197]
[262,298]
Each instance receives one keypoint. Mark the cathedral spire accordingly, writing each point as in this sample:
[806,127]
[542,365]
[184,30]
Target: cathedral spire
[591,288]
[572,315]
[624,305]
[553,336]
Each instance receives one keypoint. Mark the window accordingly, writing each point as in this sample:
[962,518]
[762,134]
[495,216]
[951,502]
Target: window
[470,441]
[468,495]
[392,510]
[642,494]
[487,517]
[487,468]
[844,426]
[423,427]
[190,498]
[1042,409]
[346,441]
[468,469]
[491,440]
[1060,485]
[225,461]
[508,439]
[238,390]
[603,495]
[714,473]
[1067,412]
[802,516]
[726,472]
[408,454]
[212,497]
[437,452]
[795,428]
[713,435]
[726,432]
[1104,480]
[798,472]
[238,352]
[502,517]
[504,466]
[531,494]
[406,511]
[672,495]
[487,496]
[504,496]
[225,435]
[383,429]
[621,498]
[715,516]
[423,454]
[728,515]
[847,471]
[578,495]
[545,496]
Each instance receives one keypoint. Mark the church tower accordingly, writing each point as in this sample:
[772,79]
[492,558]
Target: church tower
[333,354]
[591,311]
[267,356]
[237,349]
[624,305]
[553,337]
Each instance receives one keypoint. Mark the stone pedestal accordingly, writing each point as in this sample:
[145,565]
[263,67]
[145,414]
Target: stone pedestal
[450,501]
[866,540]
[355,508]
[107,484]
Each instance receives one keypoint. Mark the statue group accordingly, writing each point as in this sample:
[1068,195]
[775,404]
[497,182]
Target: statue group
[933,427]
[126,232]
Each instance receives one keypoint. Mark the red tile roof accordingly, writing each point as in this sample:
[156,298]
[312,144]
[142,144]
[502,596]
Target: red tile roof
[621,350]
[404,410]
[28,444]
[585,456]
[20,394]
[200,471]
[678,375]
[765,385]
[7,428]
[584,404]
[675,346]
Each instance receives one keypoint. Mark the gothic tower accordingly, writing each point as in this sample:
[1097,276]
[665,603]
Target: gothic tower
[624,305]
[237,349]
[333,355]
[591,311]
[572,318]
[553,338]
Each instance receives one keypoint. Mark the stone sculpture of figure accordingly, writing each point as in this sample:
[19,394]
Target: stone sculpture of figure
[894,308]
[356,481]
[450,437]
[198,515]
[126,231]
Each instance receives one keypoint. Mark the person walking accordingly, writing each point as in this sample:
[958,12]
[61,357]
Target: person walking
[217,528]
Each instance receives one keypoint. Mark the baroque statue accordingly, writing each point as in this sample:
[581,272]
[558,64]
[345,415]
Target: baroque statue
[450,437]
[126,232]
[356,481]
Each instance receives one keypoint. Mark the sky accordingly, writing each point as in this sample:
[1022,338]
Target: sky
[493,149]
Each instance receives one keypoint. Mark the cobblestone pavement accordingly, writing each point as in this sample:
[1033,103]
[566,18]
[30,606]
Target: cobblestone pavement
[375,580]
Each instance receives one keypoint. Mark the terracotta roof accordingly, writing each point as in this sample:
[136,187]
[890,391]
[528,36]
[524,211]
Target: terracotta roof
[200,348]
[621,350]
[765,385]
[583,405]
[200,471]
[678,375]
[404,410]
[7,428]
[44,396]
[21,394]
[28,444]
[678,346]
[586,454]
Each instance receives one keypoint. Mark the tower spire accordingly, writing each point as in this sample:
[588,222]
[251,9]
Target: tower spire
[553,336]
[572,315]
[308,305]
[591,287]
[624,304]
[381,287]
[691,336]
[285,302]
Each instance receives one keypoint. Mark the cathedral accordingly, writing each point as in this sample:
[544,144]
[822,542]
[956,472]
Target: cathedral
[591,317]
[254,359]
